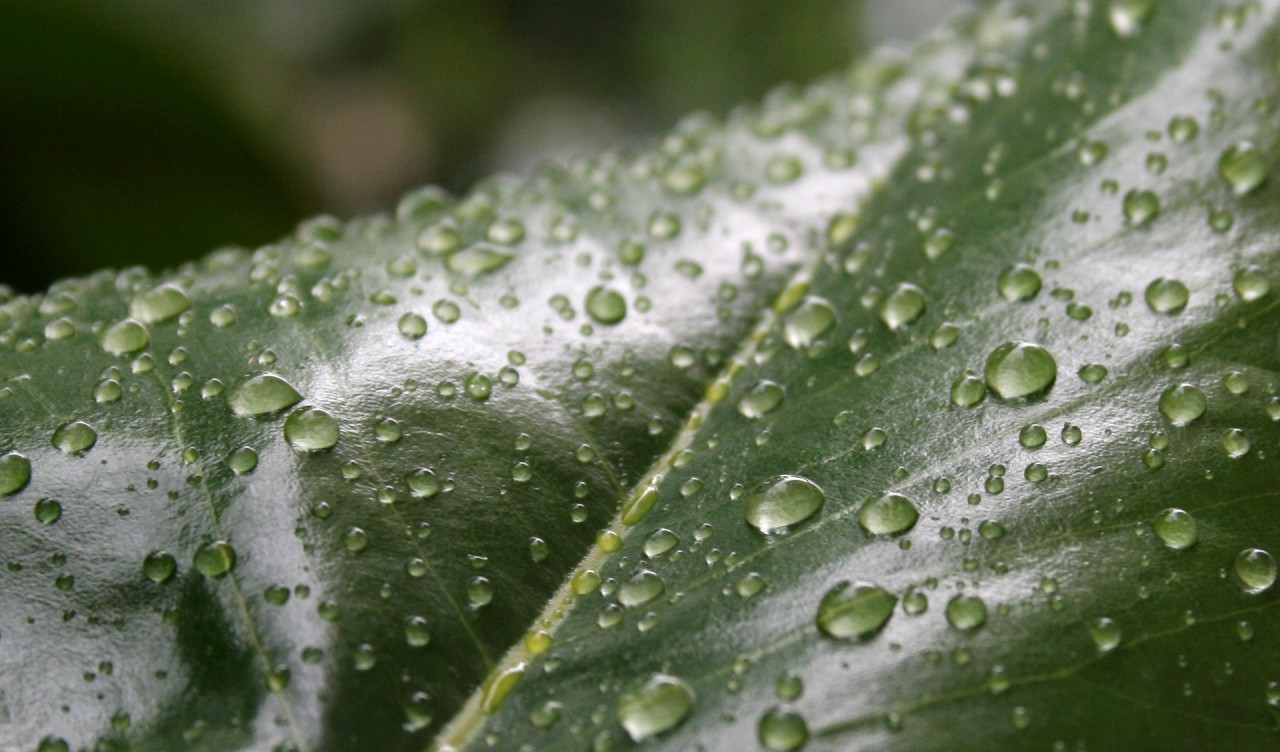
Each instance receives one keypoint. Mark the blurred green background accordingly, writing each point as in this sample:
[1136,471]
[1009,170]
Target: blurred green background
[152,131]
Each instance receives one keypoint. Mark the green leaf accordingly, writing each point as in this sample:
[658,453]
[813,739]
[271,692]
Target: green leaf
[729,443]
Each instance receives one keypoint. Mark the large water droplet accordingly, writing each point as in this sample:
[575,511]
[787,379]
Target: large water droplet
[782,501]
[782,730]
[215,558]
[643,587]
[606,306]
[75,437]
[902,306]
[1140,207]
[311,429]
[658,705]
[159,304]
[1251,283]
[808,321]
[888,515]
[639,505]
[1182,404]
[1017,283]
[1020,369]
[1255,570]
[124,337]
[1105,634]
[966,612]
[659,542]
[761,399]
[857,610]
[1175,528]
[262,394]
[15,473]
[1167,296]
[1244,167]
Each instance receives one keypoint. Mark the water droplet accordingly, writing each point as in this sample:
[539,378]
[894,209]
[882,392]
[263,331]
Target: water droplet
[263,394]
[159,304]
[1175,528]
[416,632]
[660,704]
[215,558]
[808,321]
[855,611]
[781,729]
[159,567]
[53,744]
[1255,570]
[761,399]
[966,612]
[15,473]
[638,505]
[311,430]
[1167,296]
[495,689]
[1182,404]
[75,437]
[48,511]
[107,391]
[124,337]
[891,514]
[1183,128]
[782,501]
[643,587]
[412,326]
[1140,207]
[1127,17]
[659,542]
[1244,167]
[1020,369]
[1251,283]
[1105,634]
[477,260]
[606,306]
[903,305]
[242,460]
[967,391]
[422,483]
[1235,443]
[1033,436]
[1018,283]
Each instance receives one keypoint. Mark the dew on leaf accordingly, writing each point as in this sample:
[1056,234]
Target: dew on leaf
[761,399]
[74,437]
[1018,283]
[159,304]
[159,567]
[1105,634]
[214,559]
[1020,369]
[1182,404]
[780,729]
[658,705]
[903,305]
[476,260]
[890,514]
[1244,167]
[311,430]
[1127,17]
[967,391]
[412,325]
[855,610]
[1167,296]
[606,306]
[242,460]
[643,587]
[1255,570]
[659,542]
[808,321]
[124,337]
[263,394]
[1033,436]
[15,473]
[1175,528]
[1092,373]
[782,501]
[966,612]
[1140,207]
[1235,443]
[1251,283]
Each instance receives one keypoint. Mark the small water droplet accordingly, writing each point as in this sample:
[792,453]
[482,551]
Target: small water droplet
[1140,207]
[124,337]
[890,514]
[1127,17]
[1251,283]
[1018,283]
[1176,528]
[214,559]
[1255,570]
[808,321]
[159,304]
[606,306]
[782,501]
[967,391]
[659,542]
[263,394]
[1033,436]
[966,612]
[855,611]
[159,567]
[242,460]
[902,306]
[1092,373]
[643,587]
[1182,404]
[1167,296]
[761,399]
[476,260]
[311,430]
[48,511]
[782,730]
[1244,167]
[75,437]
[658,705]
[15,473]
[1020,369]
[1105,634]
[1235,443]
